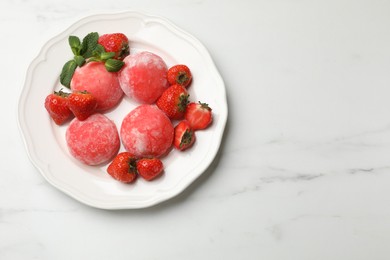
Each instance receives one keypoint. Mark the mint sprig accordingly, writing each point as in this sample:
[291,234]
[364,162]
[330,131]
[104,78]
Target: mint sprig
[85,51]
[111,64]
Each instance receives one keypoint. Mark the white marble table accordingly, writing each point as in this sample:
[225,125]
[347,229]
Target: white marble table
[304,168]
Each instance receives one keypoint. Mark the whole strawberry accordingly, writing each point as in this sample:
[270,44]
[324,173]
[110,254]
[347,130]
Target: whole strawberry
[56,105]
[173,101]
[115,42]
[179,74]
[149,168]
[82,104]
[198,115]
[123,167]
[184,136]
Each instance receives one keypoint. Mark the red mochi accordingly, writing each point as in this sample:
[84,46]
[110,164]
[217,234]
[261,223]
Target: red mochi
[147,132]
[93,141]
[103,85]
[143,77]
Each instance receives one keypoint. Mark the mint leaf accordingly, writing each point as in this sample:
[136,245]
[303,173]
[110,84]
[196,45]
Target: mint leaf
[75,44]
[67,73]
[89,44]
[113,65]
[107,55]
[79,60]
[99,49]
[93,58]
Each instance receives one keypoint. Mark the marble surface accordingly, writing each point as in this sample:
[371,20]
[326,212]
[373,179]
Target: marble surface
[304,168]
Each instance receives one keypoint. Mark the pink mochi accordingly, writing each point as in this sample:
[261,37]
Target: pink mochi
[143,77]
[94,78]
[147,132]
[93,141]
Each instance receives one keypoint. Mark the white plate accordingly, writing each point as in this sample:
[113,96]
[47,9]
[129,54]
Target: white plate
[45,141]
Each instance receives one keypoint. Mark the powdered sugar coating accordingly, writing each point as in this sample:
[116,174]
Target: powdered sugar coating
[93,141]
[143,77]
[94,78]
[147,132]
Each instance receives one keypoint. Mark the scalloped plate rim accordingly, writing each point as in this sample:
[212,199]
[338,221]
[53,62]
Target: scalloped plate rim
[78,195]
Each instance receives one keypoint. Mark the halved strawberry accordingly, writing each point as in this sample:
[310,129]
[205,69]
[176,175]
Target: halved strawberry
[179,74]
[149,168]
[82,104]
[198,115]
[56,105]
[115,42]
[184,136]
[123,168]
[173,101]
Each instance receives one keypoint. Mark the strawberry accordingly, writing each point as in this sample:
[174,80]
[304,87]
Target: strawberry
[179,74]
[56,105]
[149,168]
[82,104]
[115,42]
[198,115]
[173,101]
[123,167]
[184,135]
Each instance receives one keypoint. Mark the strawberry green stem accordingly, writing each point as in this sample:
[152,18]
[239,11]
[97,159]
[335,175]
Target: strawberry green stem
[182,77]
